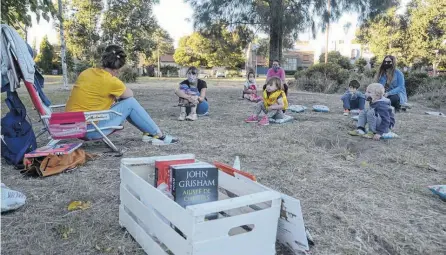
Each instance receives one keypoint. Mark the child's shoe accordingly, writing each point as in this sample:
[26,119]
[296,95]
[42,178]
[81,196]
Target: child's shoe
[264,121]
[357,132]
[346,112]
[182,116]
[252,119]
[369,135]
[192,117]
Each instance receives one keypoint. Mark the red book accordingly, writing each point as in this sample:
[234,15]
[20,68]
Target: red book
[162,173]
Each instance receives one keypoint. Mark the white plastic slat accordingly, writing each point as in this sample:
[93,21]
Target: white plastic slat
[151,160]
[237,186]
[262,221]
[176,243]
[146,242]
[150,195]
[228,204]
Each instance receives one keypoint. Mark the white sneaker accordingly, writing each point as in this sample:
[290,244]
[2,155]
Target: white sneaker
[147,138]
[192,117]
[182,116]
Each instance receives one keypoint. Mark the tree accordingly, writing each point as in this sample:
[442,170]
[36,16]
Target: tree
[163,45]
[386,34]
[44,59]
[427,31]
[198,50]
[16,12]
[336,58]
[130,24]
[81,28]
[279,18]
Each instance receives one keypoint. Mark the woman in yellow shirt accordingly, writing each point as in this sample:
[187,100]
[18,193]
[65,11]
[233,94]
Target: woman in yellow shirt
[96,89]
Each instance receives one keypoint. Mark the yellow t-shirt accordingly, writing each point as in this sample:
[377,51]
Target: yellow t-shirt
[95,90]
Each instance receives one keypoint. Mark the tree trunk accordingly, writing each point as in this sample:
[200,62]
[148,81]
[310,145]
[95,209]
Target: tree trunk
[327,31]
[62,48]
[276,31]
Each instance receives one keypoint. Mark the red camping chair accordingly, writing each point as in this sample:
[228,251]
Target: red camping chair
[68,125]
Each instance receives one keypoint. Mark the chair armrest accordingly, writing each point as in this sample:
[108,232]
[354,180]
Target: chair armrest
[102,112]
[57,106]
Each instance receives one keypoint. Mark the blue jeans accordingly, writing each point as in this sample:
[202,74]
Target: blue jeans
[133,112]
[350,104]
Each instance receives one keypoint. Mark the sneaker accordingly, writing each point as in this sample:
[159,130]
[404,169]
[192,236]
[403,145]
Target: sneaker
[264,121]
[192,117]
[165,140]
[357,132]
[369,135]
[182,116]
[252,119]
[346,112]
[146,137]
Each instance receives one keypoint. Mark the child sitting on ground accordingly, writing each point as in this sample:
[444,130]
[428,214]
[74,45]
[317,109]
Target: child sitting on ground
[274,101]
[353,98]
[379,116]
[189,94]
[250,89]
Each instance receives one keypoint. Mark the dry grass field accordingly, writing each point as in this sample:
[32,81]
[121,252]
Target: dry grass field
[358,196]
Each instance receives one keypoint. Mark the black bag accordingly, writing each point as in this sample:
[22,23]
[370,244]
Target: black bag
[18,136]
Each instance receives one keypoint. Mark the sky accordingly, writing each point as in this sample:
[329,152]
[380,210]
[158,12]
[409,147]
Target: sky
[172,16]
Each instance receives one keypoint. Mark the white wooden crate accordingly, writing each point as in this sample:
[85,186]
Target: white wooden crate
[149,215]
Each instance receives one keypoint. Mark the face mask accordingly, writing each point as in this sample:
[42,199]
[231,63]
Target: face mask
[275,68]
[270,88]
[387,66]
[368,97]
[192,78]
[251,80]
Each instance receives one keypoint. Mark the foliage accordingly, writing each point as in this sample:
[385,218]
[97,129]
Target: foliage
[336,58]
[233,73]
[318,82]
[132,25]
[44,59]
[433,91]
[163,45]
[416,37]
[330,71]
[17,13]
[169,70]
[81,29]
[128,74]
[197,50]
[414,80]
[280,18]
[360,64]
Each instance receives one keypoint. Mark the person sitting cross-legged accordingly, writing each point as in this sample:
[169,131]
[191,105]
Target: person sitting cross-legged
[353,99]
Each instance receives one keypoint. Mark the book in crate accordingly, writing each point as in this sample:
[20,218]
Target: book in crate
[194,183]
[162,170]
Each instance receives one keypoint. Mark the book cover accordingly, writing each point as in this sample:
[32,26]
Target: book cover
[57,149]
[162,170]
[194,184]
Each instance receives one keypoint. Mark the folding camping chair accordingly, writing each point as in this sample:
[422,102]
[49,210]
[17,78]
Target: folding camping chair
[68,125]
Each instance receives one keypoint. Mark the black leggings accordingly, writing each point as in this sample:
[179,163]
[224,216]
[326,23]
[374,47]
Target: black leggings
[395,102]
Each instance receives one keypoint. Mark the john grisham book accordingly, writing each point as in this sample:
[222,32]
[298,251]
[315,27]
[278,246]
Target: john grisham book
[194,183]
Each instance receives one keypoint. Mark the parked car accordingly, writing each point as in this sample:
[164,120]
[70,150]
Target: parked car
[220,75]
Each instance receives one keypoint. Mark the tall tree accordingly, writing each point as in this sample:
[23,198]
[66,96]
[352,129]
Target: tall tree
[81,28]
[16,13]
[44,59]
[427,31]
[279,18]
[130,24]
[201,50]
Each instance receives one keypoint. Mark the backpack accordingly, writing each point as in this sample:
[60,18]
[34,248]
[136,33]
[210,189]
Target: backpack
[18,136]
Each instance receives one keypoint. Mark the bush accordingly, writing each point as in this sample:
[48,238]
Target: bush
[432,91]
[169,71]
[317,83]
[414,81]
[288,72]
[128,74]
[330,71]
[336,58]
[233,73]
[360,64]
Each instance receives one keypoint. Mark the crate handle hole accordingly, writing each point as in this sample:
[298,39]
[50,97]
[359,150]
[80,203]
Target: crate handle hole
[241,230]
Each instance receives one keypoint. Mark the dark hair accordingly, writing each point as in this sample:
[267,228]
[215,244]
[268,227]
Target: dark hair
[113,57]
[250,72]
[275,60]
[192,69]
[354,84]
[382,71]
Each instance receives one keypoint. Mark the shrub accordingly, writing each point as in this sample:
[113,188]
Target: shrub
[169,70]
[433,92]
[414,81]
[128,74]
[233,73]
[360,64]
[336,58]
[317,83]
[371,72]
[330,71]
[288,72]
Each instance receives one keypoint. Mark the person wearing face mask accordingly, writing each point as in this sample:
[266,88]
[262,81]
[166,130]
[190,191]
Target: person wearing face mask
[192,96]
[250,89]
[276,71]
[393,81]
[379,116]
